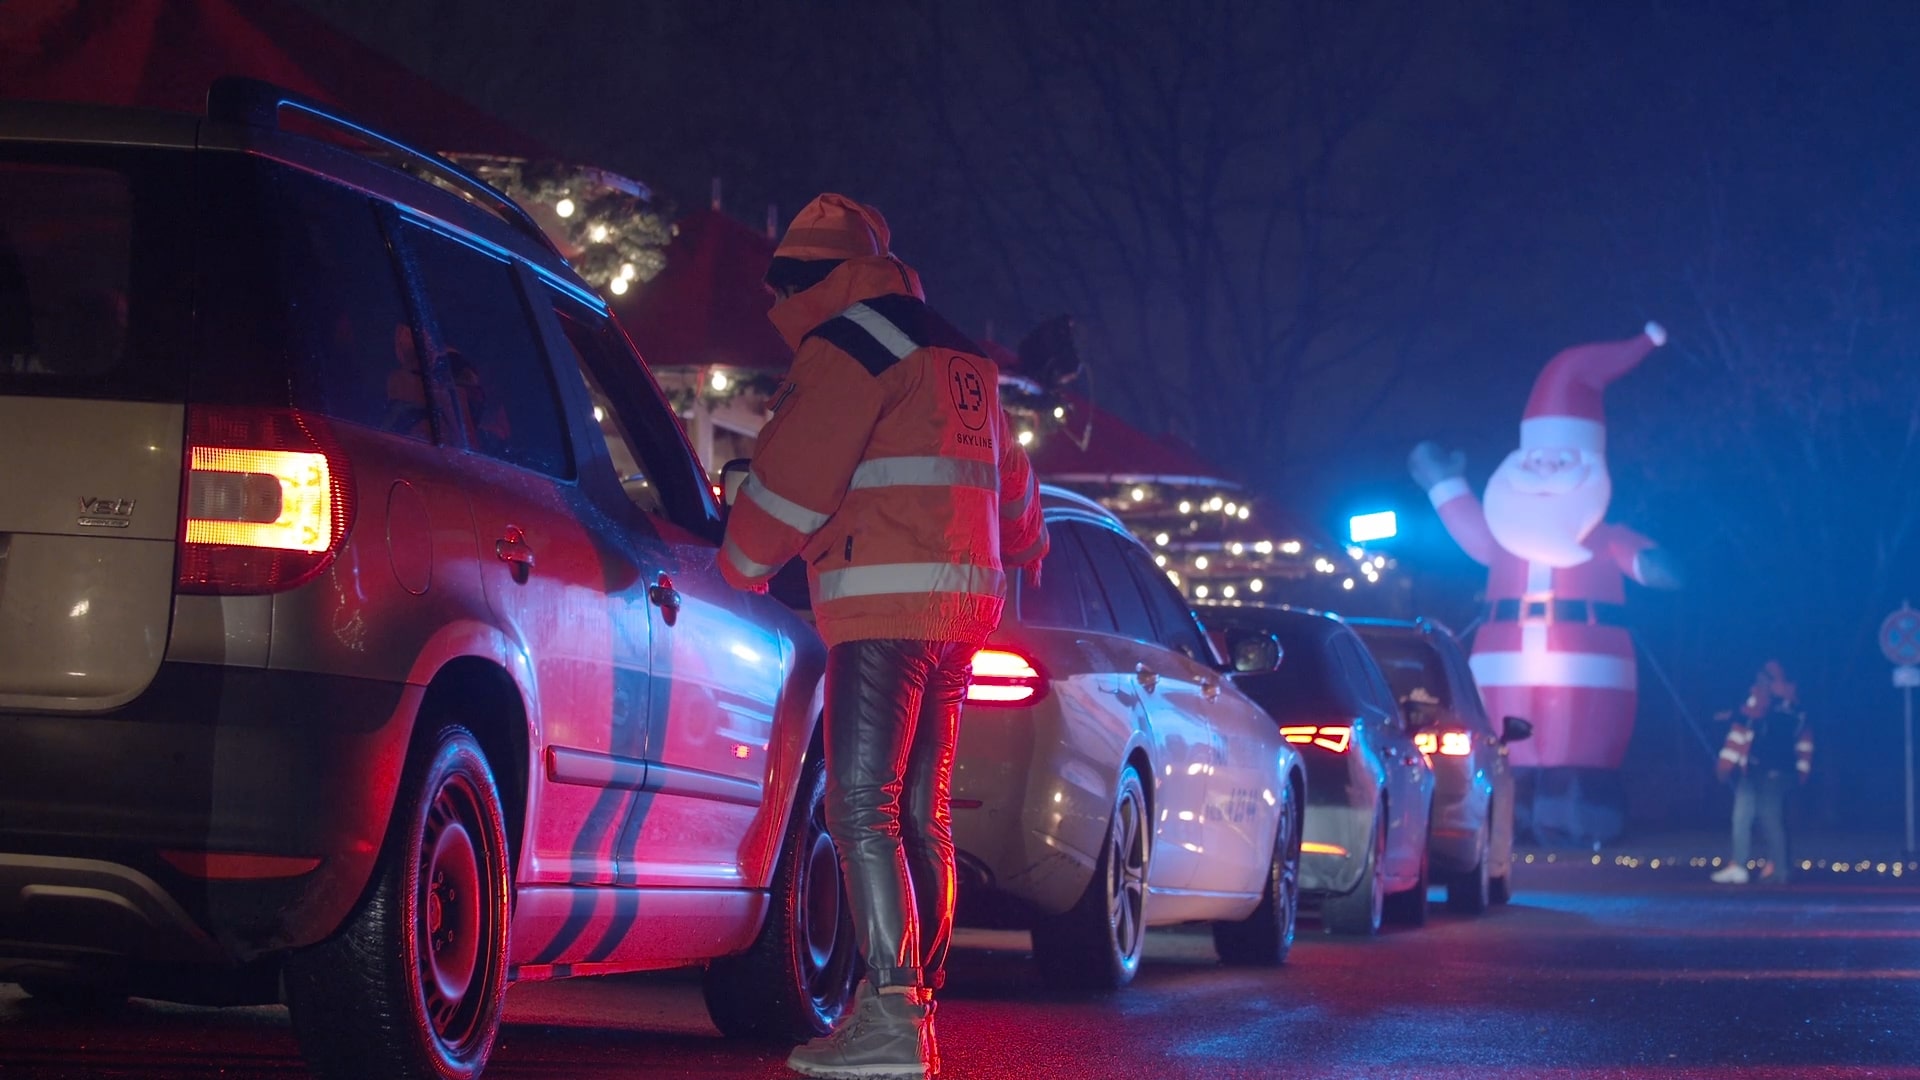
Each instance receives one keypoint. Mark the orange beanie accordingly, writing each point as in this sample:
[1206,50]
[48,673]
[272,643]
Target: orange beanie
[834,227]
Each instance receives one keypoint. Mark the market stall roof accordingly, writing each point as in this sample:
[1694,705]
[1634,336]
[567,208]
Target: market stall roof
[708,305]
[165,53]
[1118,453]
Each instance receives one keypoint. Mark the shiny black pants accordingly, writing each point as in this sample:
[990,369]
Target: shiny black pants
[893,714]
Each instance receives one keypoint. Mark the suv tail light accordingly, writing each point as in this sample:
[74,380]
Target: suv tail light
[1449,743]
[265,503]
[1001,677]
[1334,737]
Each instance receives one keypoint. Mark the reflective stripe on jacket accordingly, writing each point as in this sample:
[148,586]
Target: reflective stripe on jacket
[1738,747]
[889,465]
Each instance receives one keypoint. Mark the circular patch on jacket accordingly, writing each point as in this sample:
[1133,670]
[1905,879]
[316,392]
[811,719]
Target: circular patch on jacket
[969,390]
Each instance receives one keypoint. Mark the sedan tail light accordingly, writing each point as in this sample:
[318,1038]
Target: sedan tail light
[1334,737]
[1002,677]
[1448,743]
[266,501]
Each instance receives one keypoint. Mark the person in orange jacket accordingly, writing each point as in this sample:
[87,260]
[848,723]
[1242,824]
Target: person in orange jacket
[889,467]
[1769,741]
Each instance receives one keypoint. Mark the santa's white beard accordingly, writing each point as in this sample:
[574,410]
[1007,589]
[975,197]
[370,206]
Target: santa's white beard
[1546,523]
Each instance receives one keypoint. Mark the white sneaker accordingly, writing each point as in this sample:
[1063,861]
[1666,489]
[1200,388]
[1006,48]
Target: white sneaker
[1731,874]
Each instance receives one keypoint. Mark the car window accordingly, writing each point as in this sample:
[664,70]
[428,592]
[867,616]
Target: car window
[1061,598]
[1305,685]
[643,439]
[1366,675]
[1416,672]
[1117,584]
[1174,624]
[97,256]
[502,384]
[357,358]
[623,451]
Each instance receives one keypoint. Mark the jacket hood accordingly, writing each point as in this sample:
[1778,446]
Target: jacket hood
[851,282]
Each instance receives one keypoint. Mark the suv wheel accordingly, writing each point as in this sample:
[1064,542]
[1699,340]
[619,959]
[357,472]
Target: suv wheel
[1471,892]
[1410,908]
[797,978]
[411,986]
[1265,937]
[1096,944]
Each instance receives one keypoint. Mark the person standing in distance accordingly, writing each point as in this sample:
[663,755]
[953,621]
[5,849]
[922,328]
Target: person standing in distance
[888,465]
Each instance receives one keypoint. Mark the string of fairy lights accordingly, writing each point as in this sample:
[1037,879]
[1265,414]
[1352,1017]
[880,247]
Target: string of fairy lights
[1213,544]
[1895,868]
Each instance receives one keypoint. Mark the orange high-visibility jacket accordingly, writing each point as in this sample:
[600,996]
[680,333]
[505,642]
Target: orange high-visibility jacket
[889,465]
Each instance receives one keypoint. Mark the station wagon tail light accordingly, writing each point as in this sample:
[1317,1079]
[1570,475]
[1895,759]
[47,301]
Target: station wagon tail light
[1334,737]
[1001,677]
[265,503]
[1447,743]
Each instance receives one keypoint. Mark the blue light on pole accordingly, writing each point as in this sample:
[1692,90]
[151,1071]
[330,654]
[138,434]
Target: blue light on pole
[1367,527]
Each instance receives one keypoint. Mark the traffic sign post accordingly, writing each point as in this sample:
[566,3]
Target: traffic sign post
[1900,644]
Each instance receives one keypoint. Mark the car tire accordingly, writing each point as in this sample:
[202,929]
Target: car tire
[1096,944]
[1410,908]
[411,985]
[797,979]
[1500,889]
[1361,909]
[1265,938]
[1469,893]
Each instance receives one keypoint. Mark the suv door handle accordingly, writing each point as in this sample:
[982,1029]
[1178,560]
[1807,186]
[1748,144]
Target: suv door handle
[1210,689]
[513,550]
[664,596]
[1148,678]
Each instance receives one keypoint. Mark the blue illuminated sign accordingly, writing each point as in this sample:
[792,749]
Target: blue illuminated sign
[1381,526]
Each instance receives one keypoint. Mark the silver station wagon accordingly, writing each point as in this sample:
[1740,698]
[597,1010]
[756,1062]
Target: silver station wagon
[1110,777]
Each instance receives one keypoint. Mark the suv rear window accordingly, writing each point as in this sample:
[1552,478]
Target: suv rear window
[94,270]
[1412,667]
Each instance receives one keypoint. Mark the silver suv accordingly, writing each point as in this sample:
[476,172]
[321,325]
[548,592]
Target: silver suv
[361,641]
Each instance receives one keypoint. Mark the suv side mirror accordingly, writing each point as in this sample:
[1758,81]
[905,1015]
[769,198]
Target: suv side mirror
[1514,729]
[1254,650]
[732,475]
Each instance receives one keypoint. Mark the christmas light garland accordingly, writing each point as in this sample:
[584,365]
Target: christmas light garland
[608,225]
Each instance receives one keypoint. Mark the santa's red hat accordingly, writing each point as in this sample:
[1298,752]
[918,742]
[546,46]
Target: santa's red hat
[1565,407]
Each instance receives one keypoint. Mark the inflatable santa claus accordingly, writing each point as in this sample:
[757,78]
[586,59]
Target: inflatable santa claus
[1553,645]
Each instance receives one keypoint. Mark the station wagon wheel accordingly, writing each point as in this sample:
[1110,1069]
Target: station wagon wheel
[412,984]
[1096,944]
[1361,910]
[797,978]
[1265,938]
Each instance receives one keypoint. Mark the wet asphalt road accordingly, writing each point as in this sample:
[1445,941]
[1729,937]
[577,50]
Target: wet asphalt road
[1591,972]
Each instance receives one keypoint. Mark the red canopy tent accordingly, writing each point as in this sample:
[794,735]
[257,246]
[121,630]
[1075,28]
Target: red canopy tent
[165,53]
[708,306]
[1118,453]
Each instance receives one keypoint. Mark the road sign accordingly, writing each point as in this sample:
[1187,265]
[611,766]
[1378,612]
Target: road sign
[1906,677]
[1900,637]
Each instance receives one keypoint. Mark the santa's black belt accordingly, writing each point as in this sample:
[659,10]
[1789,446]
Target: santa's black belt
[1560,611]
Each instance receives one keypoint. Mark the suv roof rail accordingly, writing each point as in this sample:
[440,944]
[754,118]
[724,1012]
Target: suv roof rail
[1058,494]
[237,99]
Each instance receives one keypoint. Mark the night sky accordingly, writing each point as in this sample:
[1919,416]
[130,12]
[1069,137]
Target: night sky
[1305,236]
